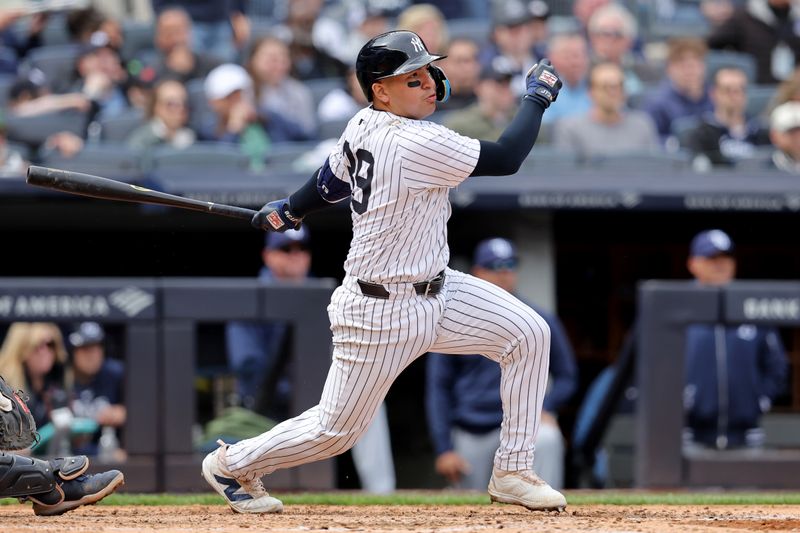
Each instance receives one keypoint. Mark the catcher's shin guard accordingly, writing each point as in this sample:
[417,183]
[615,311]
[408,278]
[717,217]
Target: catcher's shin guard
[21,477]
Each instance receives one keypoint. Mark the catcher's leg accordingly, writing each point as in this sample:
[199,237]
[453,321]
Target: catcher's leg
[54,486]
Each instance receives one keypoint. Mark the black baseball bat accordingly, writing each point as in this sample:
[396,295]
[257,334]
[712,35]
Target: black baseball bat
[97,187]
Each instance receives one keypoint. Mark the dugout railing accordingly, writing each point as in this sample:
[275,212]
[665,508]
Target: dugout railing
[158,319]
[189,302]
[665,309]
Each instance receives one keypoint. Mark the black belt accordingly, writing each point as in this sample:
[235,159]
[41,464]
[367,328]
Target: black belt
[423,288]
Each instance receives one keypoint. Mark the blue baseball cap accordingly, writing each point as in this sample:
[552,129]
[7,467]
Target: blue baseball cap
[87,333]
[275,240]
[710,243]
[496,254]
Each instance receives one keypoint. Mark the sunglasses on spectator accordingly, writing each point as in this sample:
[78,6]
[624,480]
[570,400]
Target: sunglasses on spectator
[50,344]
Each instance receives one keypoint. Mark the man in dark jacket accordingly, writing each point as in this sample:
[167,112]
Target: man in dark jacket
[726,135]
[733,372]
[463,404]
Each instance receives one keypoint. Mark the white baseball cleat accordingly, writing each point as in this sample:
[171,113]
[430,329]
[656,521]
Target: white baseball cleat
[243,496]
[525,488]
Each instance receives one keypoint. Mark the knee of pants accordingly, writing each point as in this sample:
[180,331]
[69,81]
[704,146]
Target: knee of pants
[536,333]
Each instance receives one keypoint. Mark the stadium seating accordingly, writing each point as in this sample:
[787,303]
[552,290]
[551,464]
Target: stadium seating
[6,81]
[118,128]
[34,130]
[471,28]
[330,129]
[109,160]
[642,162]
[550,159]
[204,155]
[321,86]
[198,105]
[137,37]
[716,59]
[758,98]
[57,62]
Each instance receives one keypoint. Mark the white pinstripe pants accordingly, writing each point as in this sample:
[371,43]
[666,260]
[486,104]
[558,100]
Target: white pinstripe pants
[375,339]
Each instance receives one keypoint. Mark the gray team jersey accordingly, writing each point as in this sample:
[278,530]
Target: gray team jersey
[400,171]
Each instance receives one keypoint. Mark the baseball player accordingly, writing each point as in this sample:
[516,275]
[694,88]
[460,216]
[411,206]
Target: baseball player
[398,299]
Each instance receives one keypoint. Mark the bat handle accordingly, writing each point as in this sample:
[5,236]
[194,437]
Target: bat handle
[232,211]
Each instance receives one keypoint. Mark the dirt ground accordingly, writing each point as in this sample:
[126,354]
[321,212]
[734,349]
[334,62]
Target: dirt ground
[483,518]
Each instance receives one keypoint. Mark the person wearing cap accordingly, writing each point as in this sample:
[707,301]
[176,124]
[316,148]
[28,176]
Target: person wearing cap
[513,39]
[256,354]
[101,78]
[97,384]
[733,372]
[784,132]
[726,135]
[489,116]
[462,393]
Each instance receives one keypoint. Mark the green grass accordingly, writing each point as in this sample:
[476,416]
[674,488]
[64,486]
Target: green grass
[606,497]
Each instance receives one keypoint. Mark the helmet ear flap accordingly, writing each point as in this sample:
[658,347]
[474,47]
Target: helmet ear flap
[442,83]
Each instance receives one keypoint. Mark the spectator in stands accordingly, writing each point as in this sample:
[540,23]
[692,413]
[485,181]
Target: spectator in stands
[784,133]
[11,39]
[583,10]
[612,34]
[463,70]
[168,116]
[278,94]
[97,385]
[11,161]
[27,97]
[725,135]
[309,60]
[786,91]
[512,40]
[101,77]
[733,372]
[219,28]
[489,116]
[32,358]
[608,128]
[765,29]
[173,44]
[716,12]
[684,92]
[540,29]
[427,21]
[343,28]
[569,54]
[462,395]
[257,355]
[82,23]
[344,102]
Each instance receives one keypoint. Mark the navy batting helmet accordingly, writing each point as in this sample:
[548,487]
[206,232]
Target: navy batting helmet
[394,53]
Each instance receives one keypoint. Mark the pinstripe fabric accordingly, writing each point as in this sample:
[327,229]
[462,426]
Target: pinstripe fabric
[401,171]
[375,339]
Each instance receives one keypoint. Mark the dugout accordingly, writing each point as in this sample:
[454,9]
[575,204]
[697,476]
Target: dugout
[128,307]
[665,309]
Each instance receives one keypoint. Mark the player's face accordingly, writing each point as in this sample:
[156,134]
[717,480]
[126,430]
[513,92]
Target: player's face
[717,270]
[411,95]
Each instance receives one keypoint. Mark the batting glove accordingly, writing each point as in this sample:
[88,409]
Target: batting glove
[542,83]
[276,216]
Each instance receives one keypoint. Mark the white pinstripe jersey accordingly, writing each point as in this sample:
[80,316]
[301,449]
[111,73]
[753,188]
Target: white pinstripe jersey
[400,171]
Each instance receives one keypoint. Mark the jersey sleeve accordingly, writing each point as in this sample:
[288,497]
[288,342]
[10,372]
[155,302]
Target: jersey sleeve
[337,163]
[434,156]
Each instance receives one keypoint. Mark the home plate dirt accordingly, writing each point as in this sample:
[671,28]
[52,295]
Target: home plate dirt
[482,518]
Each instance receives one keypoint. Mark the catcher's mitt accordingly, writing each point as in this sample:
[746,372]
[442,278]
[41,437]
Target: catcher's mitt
[17,427]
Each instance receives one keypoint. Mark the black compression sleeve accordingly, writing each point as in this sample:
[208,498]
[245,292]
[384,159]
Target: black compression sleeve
[307,199]
[505,156]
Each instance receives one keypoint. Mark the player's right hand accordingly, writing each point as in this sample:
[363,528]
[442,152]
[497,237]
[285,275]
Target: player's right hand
[542,83]
[276,216]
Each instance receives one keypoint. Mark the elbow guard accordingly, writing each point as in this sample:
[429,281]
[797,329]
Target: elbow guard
[331,188]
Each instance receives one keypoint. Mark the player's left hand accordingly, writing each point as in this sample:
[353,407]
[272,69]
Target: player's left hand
[543,83]
[276,216]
